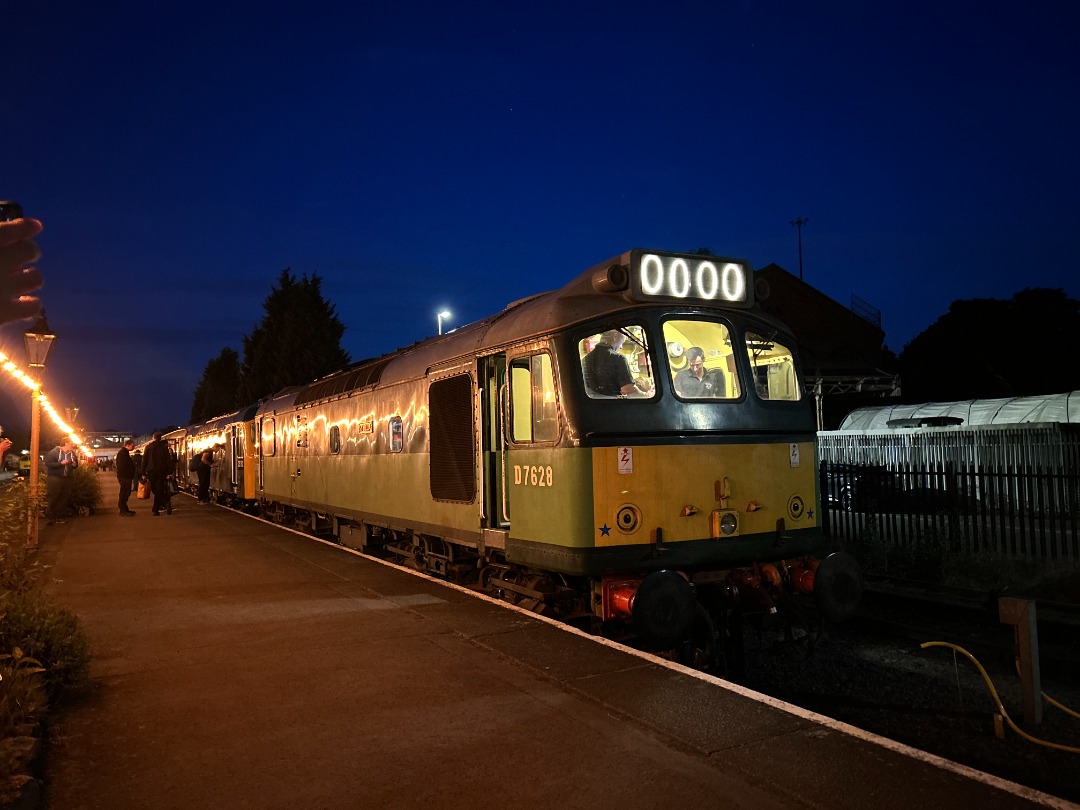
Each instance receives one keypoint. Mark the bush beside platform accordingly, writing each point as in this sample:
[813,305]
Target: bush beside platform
[44,653]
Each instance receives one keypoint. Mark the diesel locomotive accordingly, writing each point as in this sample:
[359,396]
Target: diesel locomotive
[633,453]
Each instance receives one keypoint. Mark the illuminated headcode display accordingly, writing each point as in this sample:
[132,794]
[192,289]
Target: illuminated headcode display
[690,278]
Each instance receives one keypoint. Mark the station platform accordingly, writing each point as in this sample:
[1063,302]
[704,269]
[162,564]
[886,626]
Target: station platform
[239,664]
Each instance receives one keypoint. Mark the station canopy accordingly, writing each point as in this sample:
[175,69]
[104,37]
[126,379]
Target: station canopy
[1051,408]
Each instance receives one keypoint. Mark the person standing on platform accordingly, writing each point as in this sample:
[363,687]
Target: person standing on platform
[158,466]
[125,474]
[60,464]
[206,461]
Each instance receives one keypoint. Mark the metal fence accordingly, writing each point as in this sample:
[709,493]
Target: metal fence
[1012,490]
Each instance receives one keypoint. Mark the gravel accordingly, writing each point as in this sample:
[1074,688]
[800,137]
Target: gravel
[933,699]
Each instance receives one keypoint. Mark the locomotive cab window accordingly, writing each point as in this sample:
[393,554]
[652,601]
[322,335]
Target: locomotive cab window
[534,415]
[335,439]
[773,368]
[615,363]
[701,360]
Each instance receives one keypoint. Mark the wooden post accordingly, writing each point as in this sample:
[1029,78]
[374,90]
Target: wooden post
[1020,613]
[34,494]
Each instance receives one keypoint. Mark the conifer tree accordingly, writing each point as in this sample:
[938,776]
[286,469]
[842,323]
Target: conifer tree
[297,340]
[218,391]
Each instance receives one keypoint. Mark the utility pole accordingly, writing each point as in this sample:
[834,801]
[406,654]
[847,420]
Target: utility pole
[798,222]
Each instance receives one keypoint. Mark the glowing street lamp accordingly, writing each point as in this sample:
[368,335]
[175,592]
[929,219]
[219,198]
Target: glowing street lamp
[444,314]
[38,341]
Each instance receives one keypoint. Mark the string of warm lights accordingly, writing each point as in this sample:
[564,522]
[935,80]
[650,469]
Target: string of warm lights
[12,368]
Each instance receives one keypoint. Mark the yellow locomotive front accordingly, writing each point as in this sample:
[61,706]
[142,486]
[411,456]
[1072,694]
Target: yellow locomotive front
[685,464]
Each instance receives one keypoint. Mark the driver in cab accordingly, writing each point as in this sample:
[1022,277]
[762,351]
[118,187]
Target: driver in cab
[607,371]
[694,382]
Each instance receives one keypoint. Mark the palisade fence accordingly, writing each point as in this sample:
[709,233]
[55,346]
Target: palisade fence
[1013,490]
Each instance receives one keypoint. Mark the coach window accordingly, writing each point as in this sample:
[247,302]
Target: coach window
[397,435]
[615,363]
[335,440]
[773,368]
[701,360]
[269,437]
[533,412]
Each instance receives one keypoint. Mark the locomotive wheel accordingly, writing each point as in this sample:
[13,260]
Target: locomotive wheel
[664,610]
[701,650]
[838,586]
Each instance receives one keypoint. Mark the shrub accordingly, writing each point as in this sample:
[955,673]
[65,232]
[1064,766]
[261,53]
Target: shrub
[44,654]
[86,490]
[22,698]
[18,571]
[43,630]
[22,701]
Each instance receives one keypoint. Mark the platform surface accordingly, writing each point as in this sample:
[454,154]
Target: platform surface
[241,665]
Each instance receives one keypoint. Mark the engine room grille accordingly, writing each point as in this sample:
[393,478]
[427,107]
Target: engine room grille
[343,382]
[453,455]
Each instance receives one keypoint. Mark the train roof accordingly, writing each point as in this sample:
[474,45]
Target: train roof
[602,289]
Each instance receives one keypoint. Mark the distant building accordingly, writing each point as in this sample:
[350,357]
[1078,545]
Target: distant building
[106,443]
[841,348]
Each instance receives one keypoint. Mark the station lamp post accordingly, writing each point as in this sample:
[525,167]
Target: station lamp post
[444,314]
[38,340]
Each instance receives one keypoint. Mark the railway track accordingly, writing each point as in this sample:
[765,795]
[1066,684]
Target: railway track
[967,616]
[875,674]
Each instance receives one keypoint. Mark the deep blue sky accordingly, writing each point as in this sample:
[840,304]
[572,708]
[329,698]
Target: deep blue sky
[418,156]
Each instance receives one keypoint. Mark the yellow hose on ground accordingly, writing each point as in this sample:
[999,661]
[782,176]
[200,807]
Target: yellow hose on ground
[997,700]
[1057,705]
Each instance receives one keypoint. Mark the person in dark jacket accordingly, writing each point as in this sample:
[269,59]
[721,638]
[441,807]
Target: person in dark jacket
[125,474]
[60,463]
[607,371]
[206,462]
[159,465]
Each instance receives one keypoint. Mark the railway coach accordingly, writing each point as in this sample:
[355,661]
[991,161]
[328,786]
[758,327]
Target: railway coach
[232,439]
[632,452]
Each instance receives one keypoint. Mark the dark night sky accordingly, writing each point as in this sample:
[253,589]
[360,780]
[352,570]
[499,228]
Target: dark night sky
[420,156]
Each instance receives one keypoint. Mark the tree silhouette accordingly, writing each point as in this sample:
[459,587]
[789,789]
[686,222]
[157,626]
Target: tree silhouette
[984,348]
[297,340]
[218,391]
